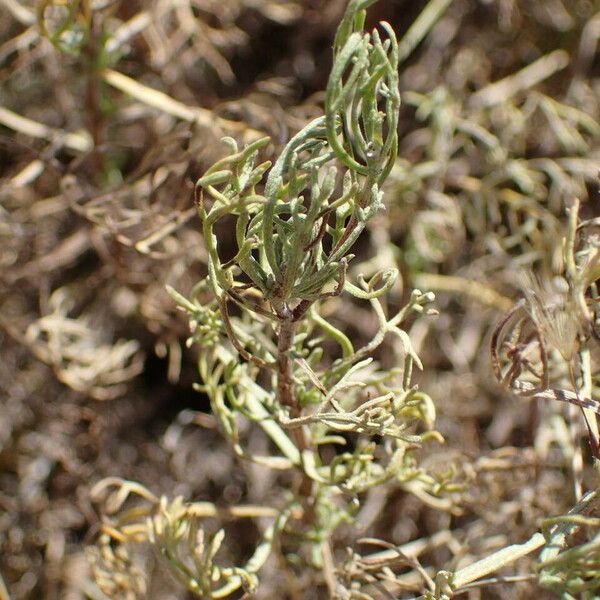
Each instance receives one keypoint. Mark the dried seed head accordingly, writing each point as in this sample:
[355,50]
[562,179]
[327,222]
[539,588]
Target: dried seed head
[553,312]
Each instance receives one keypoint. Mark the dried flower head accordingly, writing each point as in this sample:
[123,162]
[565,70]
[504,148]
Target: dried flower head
[553,312]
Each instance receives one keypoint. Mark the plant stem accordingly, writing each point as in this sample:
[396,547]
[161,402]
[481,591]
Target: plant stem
[286,394]
[285,384]
[497,560]
[94,115]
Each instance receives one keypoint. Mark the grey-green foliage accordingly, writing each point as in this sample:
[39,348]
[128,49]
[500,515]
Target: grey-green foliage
[293,239]
[267,363]
[571,570]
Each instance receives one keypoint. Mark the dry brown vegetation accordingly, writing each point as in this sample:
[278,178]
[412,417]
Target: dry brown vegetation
[100,145]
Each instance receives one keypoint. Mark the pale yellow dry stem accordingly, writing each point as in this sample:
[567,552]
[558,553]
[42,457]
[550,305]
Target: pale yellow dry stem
[4,595]
[28,175]
[494,562]
[421,27]
[62,255]
[530,76]
[128,30]
[80,142]
[415,548]
[174,221]
[586,390]
[589,43]
[19,12]
[179,110]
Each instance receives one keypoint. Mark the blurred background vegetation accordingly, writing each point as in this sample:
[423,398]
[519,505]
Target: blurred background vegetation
[109,112]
